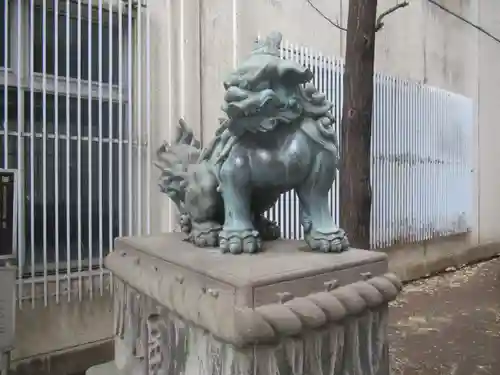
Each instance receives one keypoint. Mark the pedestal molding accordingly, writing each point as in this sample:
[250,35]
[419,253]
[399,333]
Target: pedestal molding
[242,326]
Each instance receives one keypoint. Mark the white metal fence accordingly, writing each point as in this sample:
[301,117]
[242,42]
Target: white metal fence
[69,73]
[421,172]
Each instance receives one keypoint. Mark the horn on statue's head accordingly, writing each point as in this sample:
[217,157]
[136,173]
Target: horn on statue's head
[270,45]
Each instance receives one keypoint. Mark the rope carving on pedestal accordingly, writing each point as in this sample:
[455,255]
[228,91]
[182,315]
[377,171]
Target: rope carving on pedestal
[269,322]
[243,326]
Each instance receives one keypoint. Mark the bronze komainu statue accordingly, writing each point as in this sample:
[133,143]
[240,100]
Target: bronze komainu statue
[278,136]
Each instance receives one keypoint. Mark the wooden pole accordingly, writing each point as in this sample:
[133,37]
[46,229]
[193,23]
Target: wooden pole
[356,126]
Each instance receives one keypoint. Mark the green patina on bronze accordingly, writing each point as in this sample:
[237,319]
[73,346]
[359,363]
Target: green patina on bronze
[277,136]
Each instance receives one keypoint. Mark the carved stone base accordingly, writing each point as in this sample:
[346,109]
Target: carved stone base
[108,368]
[185,310]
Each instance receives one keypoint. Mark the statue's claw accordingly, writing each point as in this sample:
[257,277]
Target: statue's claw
[333,242]
[205,234]
[237,242]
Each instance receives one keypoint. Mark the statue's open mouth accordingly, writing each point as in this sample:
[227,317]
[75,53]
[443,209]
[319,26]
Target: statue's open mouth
[244,103]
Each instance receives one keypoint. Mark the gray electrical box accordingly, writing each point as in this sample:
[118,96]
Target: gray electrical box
[8,252]
[8,214]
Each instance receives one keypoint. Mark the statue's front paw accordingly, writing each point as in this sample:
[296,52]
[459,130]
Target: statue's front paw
[332,242]
[205,234]
[237,242]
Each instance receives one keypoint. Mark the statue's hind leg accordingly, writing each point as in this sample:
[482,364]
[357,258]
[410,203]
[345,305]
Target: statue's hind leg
[203,208]
[321,233]
[268,230]
[238,234]
[262,200]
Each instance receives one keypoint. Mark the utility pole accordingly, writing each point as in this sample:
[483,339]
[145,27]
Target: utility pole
[356,126]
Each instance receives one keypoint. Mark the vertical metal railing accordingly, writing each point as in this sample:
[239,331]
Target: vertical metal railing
[76,126]
[421,173]
[31,147]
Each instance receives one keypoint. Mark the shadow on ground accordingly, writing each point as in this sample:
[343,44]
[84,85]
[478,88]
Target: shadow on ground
[448,324]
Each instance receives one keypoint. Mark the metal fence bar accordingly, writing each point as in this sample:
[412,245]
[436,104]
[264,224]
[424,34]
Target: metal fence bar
[395,154]
[374,160]
[44,147]
[170,76]
[6,66]
[121,201]
[68,153]
[389,134]
[339,93]
[148,123]
[20,152]
[32,149]
[396,201]
[139,118]
[409,140]
[437,163]
[437,160]
[130,117]
[402,159]
[327,82]
[100,150]
[419,151]
[79,143]
[433,108]
[428,123]
[56,148]
[385,189]
[407,147]
[422,171]
[90,155]
[415,147]
[111,181]
[436,198]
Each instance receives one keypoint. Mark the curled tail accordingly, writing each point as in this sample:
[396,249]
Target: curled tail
[174,159]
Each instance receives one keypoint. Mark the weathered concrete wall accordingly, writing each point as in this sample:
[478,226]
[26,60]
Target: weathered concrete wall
[175,30]
[59,339]
[45,329]
[488,129]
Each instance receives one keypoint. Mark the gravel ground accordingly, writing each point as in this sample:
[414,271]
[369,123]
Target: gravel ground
[448,324]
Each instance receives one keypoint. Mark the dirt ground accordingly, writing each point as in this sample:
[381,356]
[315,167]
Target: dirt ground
[448,324]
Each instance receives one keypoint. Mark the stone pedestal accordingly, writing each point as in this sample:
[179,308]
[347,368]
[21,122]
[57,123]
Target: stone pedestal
[185,310]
